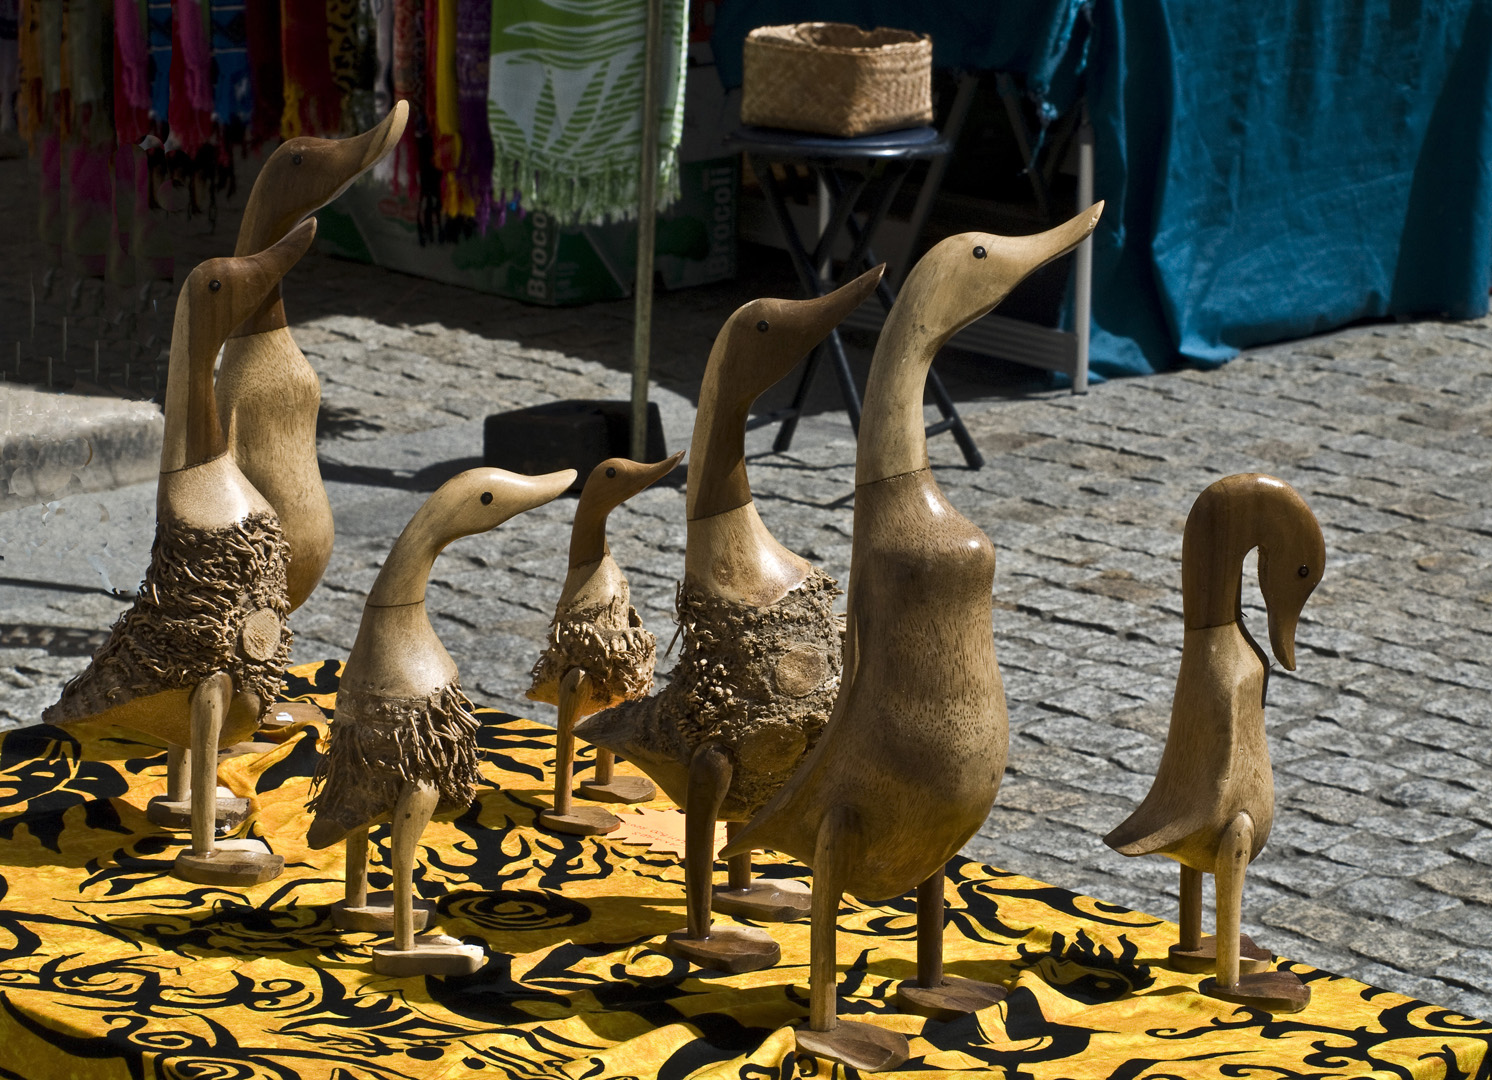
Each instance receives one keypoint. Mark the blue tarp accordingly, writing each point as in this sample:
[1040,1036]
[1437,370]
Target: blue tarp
[1271,170]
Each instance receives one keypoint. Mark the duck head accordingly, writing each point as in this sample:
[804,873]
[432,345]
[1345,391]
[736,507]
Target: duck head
[1292,559]
[610,484]
[216,296]
[472,502]
[760,343]
[1231,518]
[959,280]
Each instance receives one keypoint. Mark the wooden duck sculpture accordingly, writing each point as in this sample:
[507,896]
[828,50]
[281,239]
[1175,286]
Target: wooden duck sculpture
[1212,803]
[910,762]
[761,654]
[267,392]
[599,653]
[403,739]
[199,657]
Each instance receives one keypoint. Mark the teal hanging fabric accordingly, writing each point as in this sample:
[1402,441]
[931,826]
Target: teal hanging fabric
[565,104]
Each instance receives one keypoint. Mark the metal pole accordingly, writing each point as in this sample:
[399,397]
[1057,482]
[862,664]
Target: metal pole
[647,213]
[1082,313]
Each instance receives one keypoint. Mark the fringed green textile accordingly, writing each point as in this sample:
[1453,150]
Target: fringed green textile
[565,104]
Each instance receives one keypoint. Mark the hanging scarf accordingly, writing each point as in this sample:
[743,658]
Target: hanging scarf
[262,32]
[29,102]
[190,109]
[352,58]
[473,65]
[131,75]
[158,34]
[232,78]
[565,103]
[312,104]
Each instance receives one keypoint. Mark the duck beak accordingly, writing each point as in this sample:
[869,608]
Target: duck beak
[522,493]
[248,279]
[1018,257]
[634,476]
[350,158]
[815,318]
[1282,637]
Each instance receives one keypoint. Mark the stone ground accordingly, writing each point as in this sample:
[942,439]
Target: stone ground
[1378,864]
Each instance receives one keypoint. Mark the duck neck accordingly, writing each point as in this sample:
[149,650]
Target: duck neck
[893,438]
[1221,529]
[193,434]
[406,571]
[262,227]
[717,453]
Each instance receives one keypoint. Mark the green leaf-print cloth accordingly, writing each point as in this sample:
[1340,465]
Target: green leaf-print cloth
[565,104]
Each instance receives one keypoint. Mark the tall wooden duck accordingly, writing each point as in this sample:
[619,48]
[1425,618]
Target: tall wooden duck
[403,739]
[910,762]
[761,656]
[599,653]
[267,392]
[199,657]
[1212,803]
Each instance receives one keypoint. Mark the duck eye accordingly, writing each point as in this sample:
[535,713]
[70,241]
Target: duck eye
[295,159]
[762,326]
[980,253]
[1304,571]
[610,471]
[486,497]
[214,284]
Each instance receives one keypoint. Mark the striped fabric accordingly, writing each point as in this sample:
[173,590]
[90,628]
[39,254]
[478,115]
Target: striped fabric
[565,103]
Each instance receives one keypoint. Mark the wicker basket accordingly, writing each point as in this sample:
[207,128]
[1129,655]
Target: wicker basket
[836,79]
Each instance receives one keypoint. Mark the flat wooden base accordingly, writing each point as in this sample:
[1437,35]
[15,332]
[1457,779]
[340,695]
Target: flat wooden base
[580,821]
[433,954]
[377,915]
[622,789]
[764,901]
[1203,960]
[232,862]
[242,749]
[283,714]
[954,998]
[860,1046]
[734,949]
[1272,991]
[165,814]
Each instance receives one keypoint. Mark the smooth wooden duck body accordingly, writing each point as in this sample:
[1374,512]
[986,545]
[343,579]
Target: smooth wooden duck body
[913,754]
[200,655]
[597,632]
[267,392]
[402,743]
[1211,806]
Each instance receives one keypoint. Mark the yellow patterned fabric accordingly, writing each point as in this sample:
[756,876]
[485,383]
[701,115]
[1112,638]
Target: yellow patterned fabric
[109,967]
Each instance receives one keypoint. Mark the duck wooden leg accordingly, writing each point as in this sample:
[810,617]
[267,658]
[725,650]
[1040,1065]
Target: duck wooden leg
[762,900]
[607,786]
[173,810]
[428,954]
[725,948]
[861,1046]
[1195,953]
[934,994]
[360,910]
[567,817]
[231,862]
[1273,991]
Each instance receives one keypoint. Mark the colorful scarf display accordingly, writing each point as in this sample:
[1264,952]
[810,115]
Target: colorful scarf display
[189,112]
[565,103]
[233,83]
[313,105]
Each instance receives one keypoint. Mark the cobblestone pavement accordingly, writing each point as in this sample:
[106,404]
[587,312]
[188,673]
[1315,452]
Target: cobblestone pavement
[1378,864]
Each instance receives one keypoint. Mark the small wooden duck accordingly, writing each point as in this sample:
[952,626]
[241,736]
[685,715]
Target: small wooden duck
[1212,803]
[912,757]
[403,739]
[596,634]
[199,657]
[761,656]
[267,392]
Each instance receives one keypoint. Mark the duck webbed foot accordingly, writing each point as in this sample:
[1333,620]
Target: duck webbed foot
[173,810]
[210,862]
[566,817]
[1273,991]
[743,897]
[724,948]
[861,1046]
[365,912]
[934,994]
[428,954]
